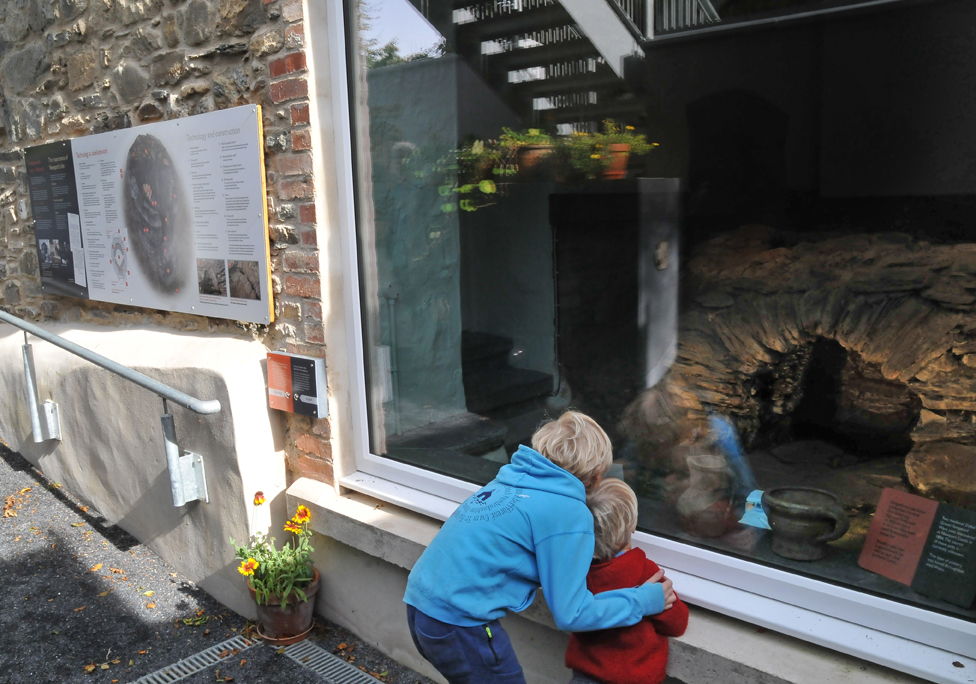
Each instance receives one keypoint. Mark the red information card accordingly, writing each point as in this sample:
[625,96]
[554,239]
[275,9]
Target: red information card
[897,536]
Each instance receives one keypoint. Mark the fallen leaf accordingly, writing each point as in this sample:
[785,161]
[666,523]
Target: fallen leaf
[77,524]
[16,538]
[96,568]
[83,509]
[117,571]
[82,608]
[9,513]
[200,612]
[148,593]
[131,663]
[105,666]
[90,668]
[106,593]
[150,606]
[172,574]
[224,653]
[116,661]
[343,646]
[281,650]
[142,652]
[25,490]
[242,663]
[55,632]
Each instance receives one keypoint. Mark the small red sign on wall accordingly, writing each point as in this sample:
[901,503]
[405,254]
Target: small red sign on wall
[297,384]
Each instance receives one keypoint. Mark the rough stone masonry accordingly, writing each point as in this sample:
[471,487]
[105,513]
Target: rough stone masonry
[70,68]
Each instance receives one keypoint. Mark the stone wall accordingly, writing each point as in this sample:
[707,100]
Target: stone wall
[70,68]
[903,310]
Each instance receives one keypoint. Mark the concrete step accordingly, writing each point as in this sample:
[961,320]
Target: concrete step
[480,347]
[489,389]
[465,433]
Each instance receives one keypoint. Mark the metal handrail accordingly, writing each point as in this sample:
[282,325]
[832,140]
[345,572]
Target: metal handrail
[165,391]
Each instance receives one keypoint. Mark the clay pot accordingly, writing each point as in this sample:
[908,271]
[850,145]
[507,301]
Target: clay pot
[533,162]
[279,621]
[705,509]
[620,154]
[803,520]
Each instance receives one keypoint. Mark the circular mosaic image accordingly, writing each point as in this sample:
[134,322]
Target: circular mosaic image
[157,215]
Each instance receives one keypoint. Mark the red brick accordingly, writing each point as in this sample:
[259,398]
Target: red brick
[294,189]
[292,10]
[306,213]
[314,445]
[310,237]
[301,140]
[290,89]
[295,165]
[289,64]
[303,286]
[322,428]
[315,333]
[299,262]
[295,36]
[313,311]
[299,114]
[314,468]
[304,349]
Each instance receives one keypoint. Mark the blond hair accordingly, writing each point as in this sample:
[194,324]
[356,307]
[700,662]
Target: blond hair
[614,508]
[575,443]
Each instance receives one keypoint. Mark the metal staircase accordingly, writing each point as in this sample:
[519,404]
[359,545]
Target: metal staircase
[553,61]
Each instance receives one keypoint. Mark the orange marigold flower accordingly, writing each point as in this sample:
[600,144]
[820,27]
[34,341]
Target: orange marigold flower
[248,567]
[292,526]
[302,515]
[259,498]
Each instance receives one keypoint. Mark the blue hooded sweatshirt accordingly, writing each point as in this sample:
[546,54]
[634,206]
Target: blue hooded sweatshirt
[527,528]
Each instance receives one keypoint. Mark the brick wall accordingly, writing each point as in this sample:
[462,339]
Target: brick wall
[70,68]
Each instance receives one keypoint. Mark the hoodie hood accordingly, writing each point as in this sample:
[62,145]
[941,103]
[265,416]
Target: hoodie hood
[627,570]
[531,470]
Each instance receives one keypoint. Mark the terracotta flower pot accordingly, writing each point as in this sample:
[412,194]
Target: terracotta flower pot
[533,161]
[279,621]
[620,153]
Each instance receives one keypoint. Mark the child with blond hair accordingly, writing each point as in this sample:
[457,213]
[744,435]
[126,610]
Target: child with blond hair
[528,528]
[636,654]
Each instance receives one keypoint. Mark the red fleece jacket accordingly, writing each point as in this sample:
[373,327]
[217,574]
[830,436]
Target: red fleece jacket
[626,655]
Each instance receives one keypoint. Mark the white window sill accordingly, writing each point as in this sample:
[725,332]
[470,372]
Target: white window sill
[398,536]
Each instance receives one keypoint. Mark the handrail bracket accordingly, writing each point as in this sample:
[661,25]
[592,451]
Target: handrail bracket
[45,418]
[187,476]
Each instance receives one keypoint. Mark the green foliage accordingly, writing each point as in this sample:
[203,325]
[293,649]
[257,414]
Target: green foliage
[512,140]
[588,154]
[280,573]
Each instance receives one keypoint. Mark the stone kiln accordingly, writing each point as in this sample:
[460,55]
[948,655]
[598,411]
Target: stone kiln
[868,337]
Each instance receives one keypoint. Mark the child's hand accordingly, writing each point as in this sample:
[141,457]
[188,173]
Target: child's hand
[669,596]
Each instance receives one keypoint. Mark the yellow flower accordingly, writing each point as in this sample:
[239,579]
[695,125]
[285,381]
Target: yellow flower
[259,498]
[302,515]
[630,128]
[293,527]
[594,156]
[248,567]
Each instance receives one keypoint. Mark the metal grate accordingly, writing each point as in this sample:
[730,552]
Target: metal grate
[332,667]
[197,662]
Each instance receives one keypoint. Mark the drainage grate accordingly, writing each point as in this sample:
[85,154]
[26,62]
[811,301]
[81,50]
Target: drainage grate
[332,667]
[197,662]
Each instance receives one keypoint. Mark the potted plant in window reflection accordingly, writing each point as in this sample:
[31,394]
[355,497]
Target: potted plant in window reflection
[604,155]
[282,582]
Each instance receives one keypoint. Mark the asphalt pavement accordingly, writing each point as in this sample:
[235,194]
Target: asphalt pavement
[83,601]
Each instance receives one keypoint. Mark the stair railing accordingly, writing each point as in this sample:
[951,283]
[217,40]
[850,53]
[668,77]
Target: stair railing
[187,475]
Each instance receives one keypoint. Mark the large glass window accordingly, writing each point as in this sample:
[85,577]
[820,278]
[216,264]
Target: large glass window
[750,256]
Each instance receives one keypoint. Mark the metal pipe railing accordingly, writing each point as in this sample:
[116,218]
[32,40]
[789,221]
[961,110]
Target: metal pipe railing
[165,391]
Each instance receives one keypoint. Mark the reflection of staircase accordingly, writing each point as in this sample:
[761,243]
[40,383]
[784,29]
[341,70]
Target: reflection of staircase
[554,61]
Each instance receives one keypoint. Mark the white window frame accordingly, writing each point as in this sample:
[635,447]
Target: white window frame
[909,639]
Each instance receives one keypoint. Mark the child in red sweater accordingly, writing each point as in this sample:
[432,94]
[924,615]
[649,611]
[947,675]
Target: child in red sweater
[625,655]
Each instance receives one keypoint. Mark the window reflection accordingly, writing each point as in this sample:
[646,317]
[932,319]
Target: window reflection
[750,258]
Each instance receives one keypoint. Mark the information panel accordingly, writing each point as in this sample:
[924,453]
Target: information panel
[169,215]
[927,545]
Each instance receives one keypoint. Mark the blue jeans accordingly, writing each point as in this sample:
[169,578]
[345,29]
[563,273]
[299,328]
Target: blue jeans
[466,655]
